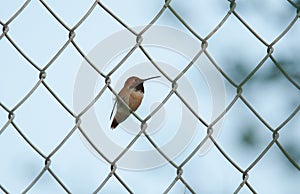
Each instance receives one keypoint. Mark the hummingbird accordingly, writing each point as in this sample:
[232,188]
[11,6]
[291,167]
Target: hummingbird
[132,94]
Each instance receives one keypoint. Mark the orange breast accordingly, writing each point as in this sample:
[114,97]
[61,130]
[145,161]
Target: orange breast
[135,100]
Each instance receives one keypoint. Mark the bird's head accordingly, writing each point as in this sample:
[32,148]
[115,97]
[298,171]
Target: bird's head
[136,82]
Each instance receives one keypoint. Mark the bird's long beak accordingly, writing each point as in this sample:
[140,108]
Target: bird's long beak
[150,78]
[141,81]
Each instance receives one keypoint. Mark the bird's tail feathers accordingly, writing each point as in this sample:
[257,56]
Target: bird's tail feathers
[114,124]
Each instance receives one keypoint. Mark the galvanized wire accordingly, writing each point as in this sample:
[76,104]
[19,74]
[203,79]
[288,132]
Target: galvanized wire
[179,168]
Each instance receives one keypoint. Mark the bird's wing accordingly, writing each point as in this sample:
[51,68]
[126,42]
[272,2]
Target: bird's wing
[113,109]
[122,94]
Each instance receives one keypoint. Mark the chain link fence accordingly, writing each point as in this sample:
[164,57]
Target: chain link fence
[11,110]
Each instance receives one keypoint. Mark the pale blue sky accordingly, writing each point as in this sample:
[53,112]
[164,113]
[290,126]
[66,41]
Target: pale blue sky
[46,123]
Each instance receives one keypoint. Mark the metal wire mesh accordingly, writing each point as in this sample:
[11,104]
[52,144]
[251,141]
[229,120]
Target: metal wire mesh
[113,172]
